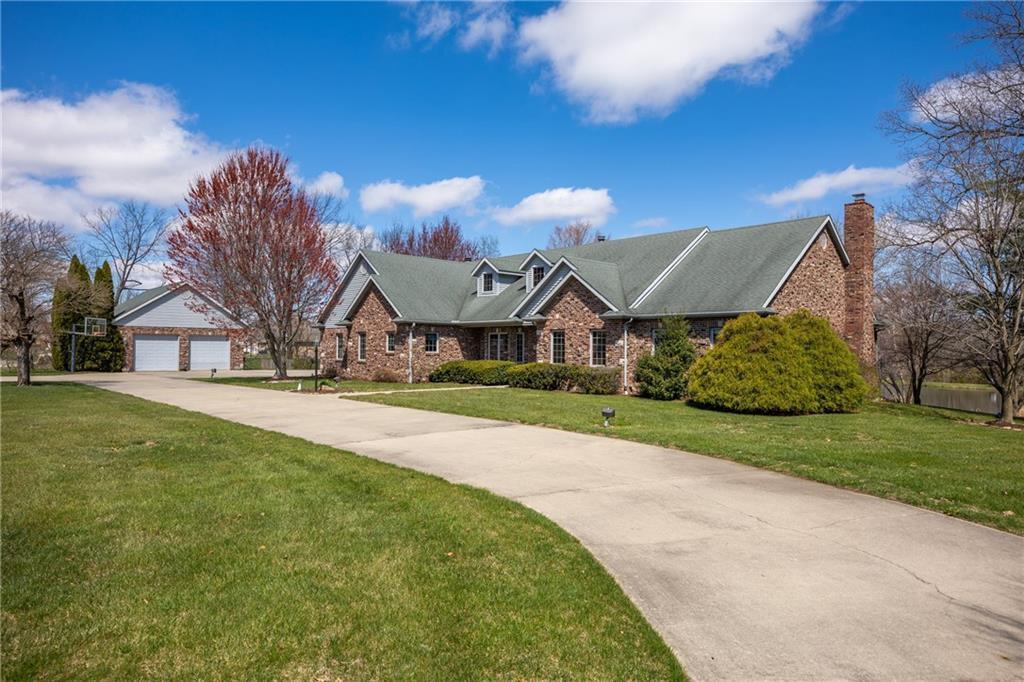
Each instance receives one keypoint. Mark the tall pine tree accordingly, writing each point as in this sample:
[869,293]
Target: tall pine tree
[106,353]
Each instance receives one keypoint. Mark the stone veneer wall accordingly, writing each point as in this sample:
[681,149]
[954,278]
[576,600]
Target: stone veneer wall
[859,241]
[373,316]
[235,340]
[575,310]
[818,284]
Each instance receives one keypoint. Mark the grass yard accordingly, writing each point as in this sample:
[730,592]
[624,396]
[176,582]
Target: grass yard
[141,540]
[923,456]
[344,385]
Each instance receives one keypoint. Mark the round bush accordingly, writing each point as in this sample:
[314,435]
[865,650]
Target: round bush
[838,383]
[757,366]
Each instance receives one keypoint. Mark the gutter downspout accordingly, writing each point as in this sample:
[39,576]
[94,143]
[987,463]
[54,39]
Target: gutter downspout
[625,354]
[411,327]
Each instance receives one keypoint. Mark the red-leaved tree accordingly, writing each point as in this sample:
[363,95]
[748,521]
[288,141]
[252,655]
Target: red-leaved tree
[251,239]
[443,240]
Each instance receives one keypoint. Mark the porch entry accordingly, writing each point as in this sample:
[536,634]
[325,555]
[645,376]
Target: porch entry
[497,346]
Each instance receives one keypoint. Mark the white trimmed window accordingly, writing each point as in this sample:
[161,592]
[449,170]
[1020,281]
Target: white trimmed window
[339,348]
[497,346]
[520,347]
[389,343]
[361,340]
[537,274]
[598,347]
[558,347]
[487,282]
[431,342]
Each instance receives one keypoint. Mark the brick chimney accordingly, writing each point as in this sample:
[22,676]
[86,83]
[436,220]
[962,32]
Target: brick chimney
[859,241]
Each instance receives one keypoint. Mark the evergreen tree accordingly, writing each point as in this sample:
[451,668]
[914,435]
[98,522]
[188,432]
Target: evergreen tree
[106,353]
[77,298]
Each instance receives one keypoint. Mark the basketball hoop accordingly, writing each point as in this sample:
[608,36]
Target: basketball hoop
[90,326]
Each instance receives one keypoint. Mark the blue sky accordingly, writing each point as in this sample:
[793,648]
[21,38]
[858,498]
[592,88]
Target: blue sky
[511,118]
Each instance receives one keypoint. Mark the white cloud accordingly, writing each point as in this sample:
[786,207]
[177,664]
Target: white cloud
[851,179]
[562,203]
[330,183]
[651,222]
[128,143]
[424,199]
[433,21]
[488,25]
[621,60]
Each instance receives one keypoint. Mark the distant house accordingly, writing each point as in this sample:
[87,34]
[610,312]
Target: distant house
[174,327]
[600,304]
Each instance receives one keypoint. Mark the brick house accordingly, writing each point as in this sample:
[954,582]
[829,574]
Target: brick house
[174,327]
[599,304]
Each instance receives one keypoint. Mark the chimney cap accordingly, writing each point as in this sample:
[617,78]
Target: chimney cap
[858,196]
[602,237]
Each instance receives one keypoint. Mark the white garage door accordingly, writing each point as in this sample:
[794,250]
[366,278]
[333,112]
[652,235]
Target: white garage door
[209,352]
[156,352]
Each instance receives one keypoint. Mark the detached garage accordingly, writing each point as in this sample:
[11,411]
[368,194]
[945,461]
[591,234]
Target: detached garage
[174,327]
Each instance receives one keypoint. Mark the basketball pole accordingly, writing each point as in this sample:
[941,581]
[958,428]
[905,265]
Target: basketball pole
[73,345]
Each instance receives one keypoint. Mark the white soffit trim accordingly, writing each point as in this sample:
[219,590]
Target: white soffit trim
[571,275]
[668,270]
[365,288]
[332,299]
[533,253]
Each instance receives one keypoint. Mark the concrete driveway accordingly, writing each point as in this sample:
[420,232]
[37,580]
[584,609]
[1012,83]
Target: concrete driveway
[747,574]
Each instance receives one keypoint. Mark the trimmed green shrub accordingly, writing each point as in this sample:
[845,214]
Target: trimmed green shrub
[597,380]
[542,376]
[252,362]
[662,376]
[482,372]
[837,380]
[778,365]
[757,366]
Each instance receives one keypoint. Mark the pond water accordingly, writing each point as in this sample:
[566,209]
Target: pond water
[983,401]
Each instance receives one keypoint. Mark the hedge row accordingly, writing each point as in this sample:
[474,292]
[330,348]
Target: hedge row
[537,375]
[545,376]
[482,372]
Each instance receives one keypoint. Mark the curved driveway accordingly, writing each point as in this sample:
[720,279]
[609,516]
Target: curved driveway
[746,573]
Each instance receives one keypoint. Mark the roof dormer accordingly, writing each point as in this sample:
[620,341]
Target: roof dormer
[490,280]
[536,266]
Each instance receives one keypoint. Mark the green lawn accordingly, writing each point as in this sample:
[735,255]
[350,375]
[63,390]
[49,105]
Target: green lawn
[345,386]
[923,456]
[141,540]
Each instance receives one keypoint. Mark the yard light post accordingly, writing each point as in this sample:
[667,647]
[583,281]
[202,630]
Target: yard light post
[607,413]
[318,333]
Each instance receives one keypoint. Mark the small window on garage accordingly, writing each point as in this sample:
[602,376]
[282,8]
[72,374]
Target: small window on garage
[430,342]
[389,343]
[598,347]
[362,346]
[339,348]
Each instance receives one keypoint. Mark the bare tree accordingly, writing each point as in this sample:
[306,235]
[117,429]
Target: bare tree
[922,326]
[127,235]
[576,233]
[965,137]
[443,240]
[253,240]
[31,260]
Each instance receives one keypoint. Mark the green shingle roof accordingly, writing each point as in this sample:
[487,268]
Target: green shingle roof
[726,271]
[139,300]
[732,270]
